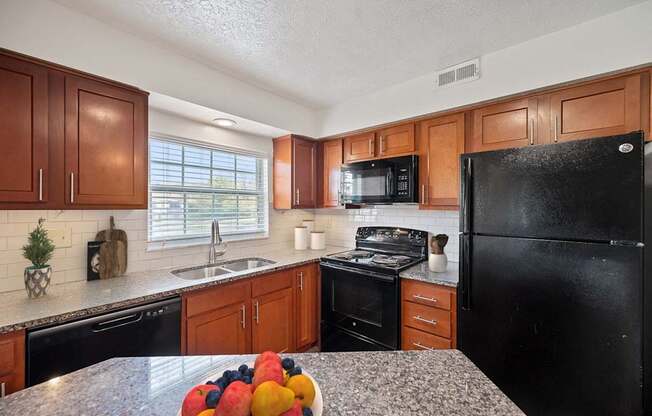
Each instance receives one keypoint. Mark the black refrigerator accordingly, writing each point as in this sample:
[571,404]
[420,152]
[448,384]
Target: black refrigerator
[551,300]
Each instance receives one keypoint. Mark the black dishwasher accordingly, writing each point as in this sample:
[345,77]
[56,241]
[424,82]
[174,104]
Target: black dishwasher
[148,330]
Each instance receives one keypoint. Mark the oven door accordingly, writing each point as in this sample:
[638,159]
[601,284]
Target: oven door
[362,303]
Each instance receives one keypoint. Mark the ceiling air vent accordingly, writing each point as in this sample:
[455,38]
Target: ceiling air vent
[464,72]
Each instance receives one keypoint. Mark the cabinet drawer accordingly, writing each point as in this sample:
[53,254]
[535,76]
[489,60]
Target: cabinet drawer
[271,282]
[413,339]
[426,294]
[432,320]
[216,297]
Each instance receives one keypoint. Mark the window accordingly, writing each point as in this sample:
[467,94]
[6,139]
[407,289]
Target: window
[191,184]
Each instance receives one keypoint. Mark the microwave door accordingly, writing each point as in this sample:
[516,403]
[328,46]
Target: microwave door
[367,184]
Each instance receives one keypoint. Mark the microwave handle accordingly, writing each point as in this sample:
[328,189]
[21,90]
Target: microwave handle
[389,179]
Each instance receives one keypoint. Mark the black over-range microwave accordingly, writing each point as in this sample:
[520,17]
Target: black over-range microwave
[383,181]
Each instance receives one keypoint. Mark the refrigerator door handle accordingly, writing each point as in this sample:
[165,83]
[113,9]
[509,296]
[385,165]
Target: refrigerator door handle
[467,174]
[465,271]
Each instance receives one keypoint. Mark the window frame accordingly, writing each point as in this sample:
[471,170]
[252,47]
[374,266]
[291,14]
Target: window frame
[185,241]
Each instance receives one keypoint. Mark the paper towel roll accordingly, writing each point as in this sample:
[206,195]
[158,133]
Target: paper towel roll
[300,238]
[309,224]
[317,240]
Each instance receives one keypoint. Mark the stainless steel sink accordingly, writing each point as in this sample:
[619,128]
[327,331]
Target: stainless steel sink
[245,264]
[226,267]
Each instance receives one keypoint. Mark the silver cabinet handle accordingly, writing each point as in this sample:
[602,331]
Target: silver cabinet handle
[424,320]
[297,196]
[72,187]
[256,317]
[244,316]
[371,147]
[301,281]
[423,347]
[382,144]
[531,131]
[556,127]
[433,300]
[40,184]
[423,194]
[2,389]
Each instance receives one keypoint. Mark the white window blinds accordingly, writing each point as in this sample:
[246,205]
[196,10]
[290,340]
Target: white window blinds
[192,184]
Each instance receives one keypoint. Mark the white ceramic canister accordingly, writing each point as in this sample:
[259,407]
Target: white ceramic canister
[437,262]
[309,224]
[301,237]
[318,240]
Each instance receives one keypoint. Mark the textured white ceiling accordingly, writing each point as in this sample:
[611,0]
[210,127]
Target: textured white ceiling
[321,52]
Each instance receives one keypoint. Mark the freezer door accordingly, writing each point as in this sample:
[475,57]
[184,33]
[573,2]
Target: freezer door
[587,190]
[556,325]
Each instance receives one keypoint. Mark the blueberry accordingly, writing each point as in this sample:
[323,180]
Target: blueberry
[307,411]
[288,364]
[212,398]
[222,382]
[226,374]
[246,379]
[210,383]
[243,369]
[235,376]
[250,372]
[295,371]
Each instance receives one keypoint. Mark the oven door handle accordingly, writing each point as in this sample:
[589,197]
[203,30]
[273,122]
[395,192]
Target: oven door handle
[361,272]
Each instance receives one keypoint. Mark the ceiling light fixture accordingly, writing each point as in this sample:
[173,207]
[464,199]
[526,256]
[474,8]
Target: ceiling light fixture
[224,122]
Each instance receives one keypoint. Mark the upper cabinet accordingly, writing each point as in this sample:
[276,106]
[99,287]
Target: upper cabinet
[24,131]
[441,142]
[504,125]
[360,147]
[598,109]
[396,141]
[106,144]
[331,158]
[295,172]
[69,140]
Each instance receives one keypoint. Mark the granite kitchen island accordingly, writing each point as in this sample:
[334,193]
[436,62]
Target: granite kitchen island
[442,382]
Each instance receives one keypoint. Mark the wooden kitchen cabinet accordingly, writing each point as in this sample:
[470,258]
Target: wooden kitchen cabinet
[219,331]
[12,362]
[307,305]
[331,162]
[273,322]
[396,141]
[24,132]
[506,125]
[106,144]
[295,172]
[441,142]
[428,316]
[598,109]
[69,140]
[359,147]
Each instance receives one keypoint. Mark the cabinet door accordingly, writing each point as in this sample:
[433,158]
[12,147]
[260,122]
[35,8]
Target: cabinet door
[220,331]
[106,144]
[332,154]
[359,147]
[304,173]
[307,305]
[273,322]
[398,140]
[505,125]
[442,143]
[12,362]
[599,109]
[23,131]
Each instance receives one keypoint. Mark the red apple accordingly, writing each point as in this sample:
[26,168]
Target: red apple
[295,410]
[266,356]
[269,370]
[195,400]
[235,401]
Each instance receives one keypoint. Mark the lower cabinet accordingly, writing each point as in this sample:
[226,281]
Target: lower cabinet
[12,362]
[273,312]
[429,316]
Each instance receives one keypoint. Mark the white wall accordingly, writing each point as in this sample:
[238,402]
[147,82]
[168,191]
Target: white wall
[56,33]
[611,42]
[69,263]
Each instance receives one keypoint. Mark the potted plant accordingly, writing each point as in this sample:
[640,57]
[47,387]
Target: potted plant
[38,250]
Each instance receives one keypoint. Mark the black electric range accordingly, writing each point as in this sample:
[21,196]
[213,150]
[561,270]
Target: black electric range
[361,291]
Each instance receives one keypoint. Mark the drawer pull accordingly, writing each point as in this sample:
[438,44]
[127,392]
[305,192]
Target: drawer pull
[423,347]
[424,320]
[433,300]
[2,389]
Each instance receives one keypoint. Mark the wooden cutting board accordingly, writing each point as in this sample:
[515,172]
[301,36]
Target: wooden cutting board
[113,251]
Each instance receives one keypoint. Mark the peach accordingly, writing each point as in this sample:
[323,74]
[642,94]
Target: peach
[268,371]
[195,401]
[265,356]
[235,401]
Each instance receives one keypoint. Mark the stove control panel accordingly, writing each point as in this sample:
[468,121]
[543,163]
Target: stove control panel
[394,235]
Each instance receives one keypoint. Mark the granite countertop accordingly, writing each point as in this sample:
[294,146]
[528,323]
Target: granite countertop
[422,273]
[75,300]
[442,382]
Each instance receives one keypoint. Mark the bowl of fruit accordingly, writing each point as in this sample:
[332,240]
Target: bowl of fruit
[269,386]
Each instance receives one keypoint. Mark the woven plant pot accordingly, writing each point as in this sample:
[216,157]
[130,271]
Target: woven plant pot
[37,281]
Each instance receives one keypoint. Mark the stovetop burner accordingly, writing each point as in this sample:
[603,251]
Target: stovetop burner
[353,254]
[390,260]
[375,260]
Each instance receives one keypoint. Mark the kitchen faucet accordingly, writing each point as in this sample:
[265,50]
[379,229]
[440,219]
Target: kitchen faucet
[216,240]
